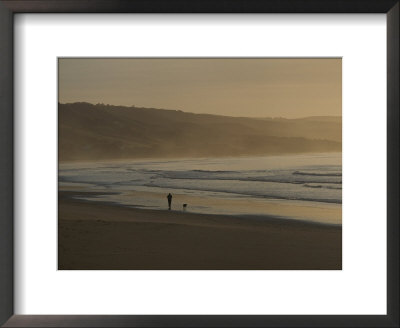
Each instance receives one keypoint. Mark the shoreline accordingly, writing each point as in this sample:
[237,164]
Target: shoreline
[97,235]
[250,209]
[73,195]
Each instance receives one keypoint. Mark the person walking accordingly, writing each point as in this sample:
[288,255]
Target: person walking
[169,200]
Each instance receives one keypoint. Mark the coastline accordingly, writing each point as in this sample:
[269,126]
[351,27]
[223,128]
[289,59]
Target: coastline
[239,186]
[104,236]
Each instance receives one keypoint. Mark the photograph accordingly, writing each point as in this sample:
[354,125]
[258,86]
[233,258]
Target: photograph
[220,163]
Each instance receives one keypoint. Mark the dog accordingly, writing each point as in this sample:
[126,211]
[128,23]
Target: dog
[184,207]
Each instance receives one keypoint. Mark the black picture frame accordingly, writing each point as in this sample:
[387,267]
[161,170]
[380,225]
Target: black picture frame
[10,7]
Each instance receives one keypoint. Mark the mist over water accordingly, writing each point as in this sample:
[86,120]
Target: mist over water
[218,185]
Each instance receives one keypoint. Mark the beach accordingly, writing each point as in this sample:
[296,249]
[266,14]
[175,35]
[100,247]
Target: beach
[306,187]
[95,235]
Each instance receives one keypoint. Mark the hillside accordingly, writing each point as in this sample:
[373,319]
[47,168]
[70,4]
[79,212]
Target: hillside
[100,132]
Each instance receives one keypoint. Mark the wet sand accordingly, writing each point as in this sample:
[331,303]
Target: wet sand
[104,236]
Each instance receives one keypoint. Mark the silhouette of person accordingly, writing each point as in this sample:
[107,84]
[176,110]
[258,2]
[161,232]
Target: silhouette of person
[169,200]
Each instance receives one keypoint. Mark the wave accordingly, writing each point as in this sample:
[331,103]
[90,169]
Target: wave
[317,174]
[249,194]
[322,186]
[145,176]
[247,176]
[208,171]
[257,179]
[322,183]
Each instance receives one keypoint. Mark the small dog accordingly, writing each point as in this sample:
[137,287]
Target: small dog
[184,207]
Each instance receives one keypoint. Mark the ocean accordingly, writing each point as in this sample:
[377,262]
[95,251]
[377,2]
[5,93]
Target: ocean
[302,187]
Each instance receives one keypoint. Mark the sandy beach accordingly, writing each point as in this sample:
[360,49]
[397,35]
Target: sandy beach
[104,236]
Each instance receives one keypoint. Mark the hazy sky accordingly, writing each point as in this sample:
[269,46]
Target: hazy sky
[235,87]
